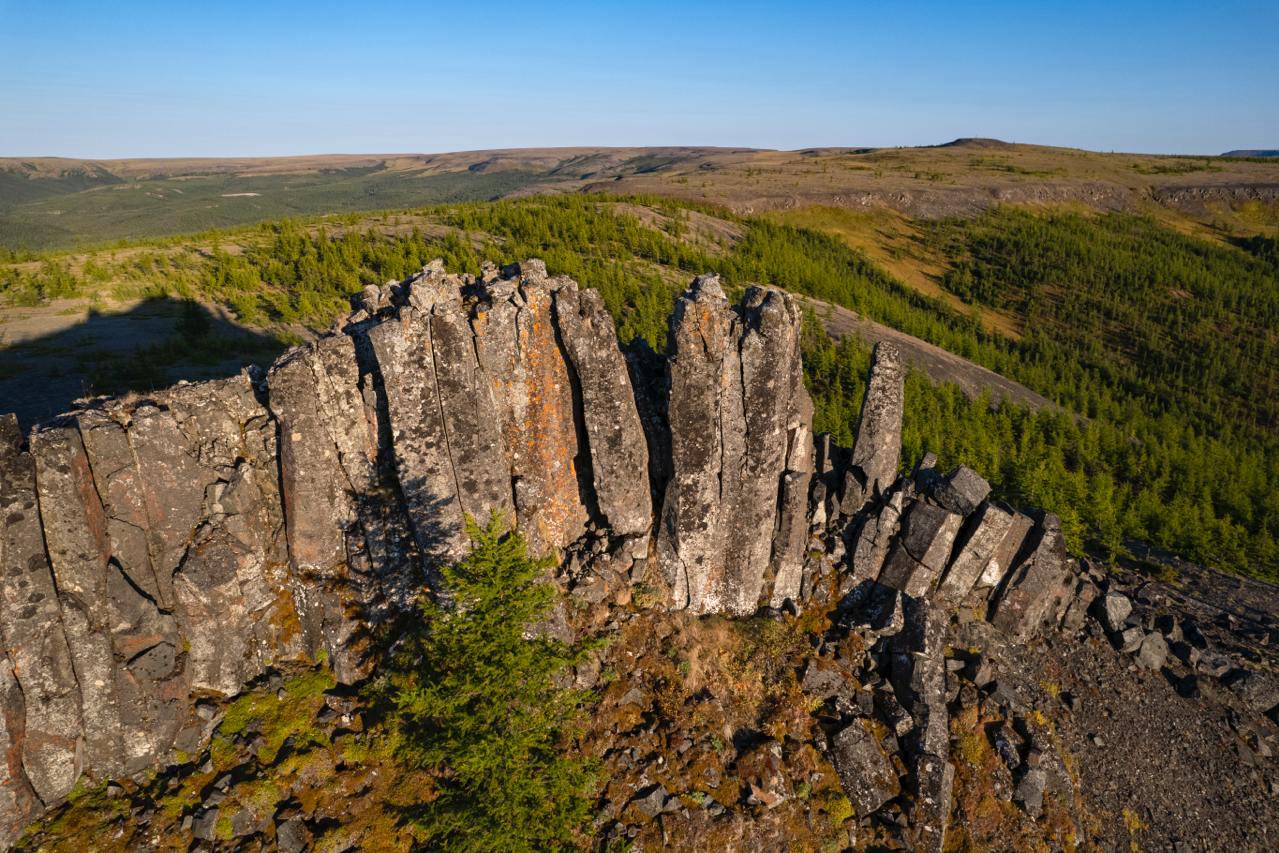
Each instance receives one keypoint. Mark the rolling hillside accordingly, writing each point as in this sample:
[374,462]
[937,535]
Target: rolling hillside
[48,203]
[1156,347]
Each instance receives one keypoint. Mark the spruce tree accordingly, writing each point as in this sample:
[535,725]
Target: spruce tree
[477,705]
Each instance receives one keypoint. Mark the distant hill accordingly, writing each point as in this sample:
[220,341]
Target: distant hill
[52,203]
[1252,152]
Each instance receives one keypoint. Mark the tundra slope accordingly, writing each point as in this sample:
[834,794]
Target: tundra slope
[161,554]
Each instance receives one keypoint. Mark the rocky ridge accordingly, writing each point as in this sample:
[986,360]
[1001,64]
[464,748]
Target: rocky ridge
[160,553]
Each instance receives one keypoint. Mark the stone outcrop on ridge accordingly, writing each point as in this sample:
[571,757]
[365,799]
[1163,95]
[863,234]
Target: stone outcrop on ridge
[163,549]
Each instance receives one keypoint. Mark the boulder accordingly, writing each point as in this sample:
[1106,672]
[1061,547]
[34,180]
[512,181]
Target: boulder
[1113,610]
[1030,791]
[962,491]
[934,789]
[922,550]
[1006,553]
[1153,651]
[864,769]
[1259,690]
[1035,589]
[292,835]
[918,673]
[874,538]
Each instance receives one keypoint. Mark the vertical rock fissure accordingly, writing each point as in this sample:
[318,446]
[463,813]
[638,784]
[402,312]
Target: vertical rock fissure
[582,461]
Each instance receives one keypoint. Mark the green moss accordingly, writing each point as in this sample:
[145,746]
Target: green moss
[276,719]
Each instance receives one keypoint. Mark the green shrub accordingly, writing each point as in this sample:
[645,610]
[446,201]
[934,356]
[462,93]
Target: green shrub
[476,706]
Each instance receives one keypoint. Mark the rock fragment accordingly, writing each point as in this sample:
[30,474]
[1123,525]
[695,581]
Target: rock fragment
[864,769]
[962,491]
[923,549]
[1114,609]
[1034,589]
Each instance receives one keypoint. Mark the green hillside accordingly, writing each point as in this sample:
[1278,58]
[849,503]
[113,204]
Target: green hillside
[1167,431]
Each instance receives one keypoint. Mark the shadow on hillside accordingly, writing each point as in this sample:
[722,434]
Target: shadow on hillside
[149,346]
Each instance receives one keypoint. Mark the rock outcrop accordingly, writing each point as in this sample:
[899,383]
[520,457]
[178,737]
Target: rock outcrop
[741,448]
[163,549]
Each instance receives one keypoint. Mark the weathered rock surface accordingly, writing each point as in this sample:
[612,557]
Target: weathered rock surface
[864,769]
[618,451]
[1037,586]
[166,550]
[922,550]
[878,446]
[987,531]
[181,544]
[48,737]
[739,426]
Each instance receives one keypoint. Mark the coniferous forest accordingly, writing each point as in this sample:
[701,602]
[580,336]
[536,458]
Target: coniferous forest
[1157,347]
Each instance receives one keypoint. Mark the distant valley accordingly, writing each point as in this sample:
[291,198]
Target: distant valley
[50,203]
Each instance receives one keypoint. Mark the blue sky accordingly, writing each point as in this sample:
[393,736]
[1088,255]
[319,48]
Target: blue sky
[183,79]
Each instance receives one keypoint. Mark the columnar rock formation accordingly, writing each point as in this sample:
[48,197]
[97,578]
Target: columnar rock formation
[741,446]
[167,548]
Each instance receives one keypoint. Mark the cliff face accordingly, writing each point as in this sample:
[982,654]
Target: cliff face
[163,550]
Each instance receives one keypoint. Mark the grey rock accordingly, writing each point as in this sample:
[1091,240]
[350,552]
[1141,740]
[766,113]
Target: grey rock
[204,825]
[1259,690]
[874,609]
[292,835]
[1130,639]
[76,537]
[1030,791]
[320,507]
[18,802]
[1114,609]
[615,434]
[877,450]
[922,550]
[934,787]
[962,491]
[652,801]
[918,674]
[874,538]
[824,679]
[691,539]
[1214,664]
[403,352]
[976,547]
[1037,587]
[1153,651]
[1079,604]
[116,477]
[31,627]
[1005,555]
[475,445]
[864,769]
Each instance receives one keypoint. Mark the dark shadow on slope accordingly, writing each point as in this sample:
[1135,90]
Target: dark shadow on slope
[150,346]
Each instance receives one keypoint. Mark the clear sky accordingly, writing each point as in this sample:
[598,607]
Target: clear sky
[186,78]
